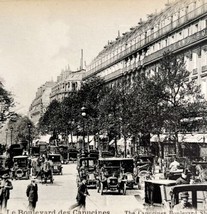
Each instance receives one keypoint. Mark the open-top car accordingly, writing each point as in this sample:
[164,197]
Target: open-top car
[175,174]
[21,167]
[86,167]
[56,163]
[111,175]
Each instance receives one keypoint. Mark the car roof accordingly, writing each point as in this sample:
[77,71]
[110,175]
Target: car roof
[114,159]
[88,158]
[20,156]
[162,182]
[189,187]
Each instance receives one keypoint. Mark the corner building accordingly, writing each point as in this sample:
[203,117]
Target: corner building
[180,27]
[67,82]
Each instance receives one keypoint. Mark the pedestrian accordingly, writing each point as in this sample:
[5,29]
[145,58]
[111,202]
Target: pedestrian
[184,203]
[32,194]
[184,179]
[81,195]
[5,187]
[174,165]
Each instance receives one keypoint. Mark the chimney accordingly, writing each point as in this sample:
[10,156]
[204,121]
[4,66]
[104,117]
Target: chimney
[81,60]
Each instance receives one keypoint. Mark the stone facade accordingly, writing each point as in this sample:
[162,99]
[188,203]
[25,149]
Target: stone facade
[180,27]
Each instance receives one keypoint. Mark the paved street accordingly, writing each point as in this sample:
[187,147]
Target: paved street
[62,193]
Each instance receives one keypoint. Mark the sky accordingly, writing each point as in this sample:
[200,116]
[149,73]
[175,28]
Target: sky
[39,38]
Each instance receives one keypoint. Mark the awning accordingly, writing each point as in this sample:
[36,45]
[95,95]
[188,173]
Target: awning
[154,138]
[188,138]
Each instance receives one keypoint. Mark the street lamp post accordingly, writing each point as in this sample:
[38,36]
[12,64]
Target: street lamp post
[6,136]
[11,129]
[29,129]
[83,113]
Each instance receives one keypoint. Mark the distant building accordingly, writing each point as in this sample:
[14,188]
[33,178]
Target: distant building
[41,101]
[68,81]
[180,27]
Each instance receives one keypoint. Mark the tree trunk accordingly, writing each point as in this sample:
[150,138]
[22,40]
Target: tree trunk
[159,145]
[125,145]
[177,146]
[115,143]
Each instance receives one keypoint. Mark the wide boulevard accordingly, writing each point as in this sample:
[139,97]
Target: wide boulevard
[58,197]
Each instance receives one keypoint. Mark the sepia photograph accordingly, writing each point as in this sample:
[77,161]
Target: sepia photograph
[103,106]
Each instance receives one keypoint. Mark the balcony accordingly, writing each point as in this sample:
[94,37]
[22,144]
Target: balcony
[113,75]
[190,40]
[149,39]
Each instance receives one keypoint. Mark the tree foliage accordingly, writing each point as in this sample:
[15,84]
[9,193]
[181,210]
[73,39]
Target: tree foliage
[6,102]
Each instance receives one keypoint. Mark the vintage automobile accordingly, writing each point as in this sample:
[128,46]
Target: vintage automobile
[164,195]
[35,151]
[174,175]
[144,165]
[197,195]
[144,162]
[87,168]
[111,175]
[21,167]
[94,153]
[128,168]
[56,163]
[63,151]
[72,154]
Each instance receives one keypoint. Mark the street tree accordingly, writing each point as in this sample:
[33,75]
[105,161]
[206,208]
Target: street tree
[181,97]
[6,102]
[52,119]
[23,130]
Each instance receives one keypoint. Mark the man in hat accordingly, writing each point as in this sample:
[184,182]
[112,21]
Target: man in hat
[184,203]
[5,187]
[32,194]
[81,195]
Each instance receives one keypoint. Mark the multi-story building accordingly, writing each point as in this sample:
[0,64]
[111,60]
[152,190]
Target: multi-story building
[41,101]
[180,27]
[68,81]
